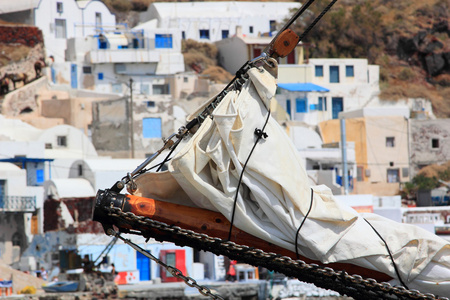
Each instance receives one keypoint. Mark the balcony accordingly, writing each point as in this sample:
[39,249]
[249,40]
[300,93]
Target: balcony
[17,203]
[102,56]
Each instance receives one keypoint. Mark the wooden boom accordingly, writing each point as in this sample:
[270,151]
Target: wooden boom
[204,221]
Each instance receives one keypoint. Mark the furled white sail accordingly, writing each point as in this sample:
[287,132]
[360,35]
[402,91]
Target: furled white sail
[274,196]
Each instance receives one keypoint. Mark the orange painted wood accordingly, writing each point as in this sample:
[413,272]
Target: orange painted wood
[215,224]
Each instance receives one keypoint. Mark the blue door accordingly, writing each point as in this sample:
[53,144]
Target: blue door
[143,265]
[73,76]
[301,105]
[337,104]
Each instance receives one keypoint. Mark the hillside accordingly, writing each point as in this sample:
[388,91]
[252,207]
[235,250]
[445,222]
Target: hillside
[409,39]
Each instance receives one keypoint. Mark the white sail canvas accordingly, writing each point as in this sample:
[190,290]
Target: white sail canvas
[274,195]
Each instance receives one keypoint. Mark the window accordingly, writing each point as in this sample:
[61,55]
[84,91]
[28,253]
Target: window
[2,192]
[319,71]
[145,89]
[16,239]
[288,107]
[151,104]
[160,89]
[60,29]
[151,128]
[435,143]
[405,172]
[301,105]
[100,76]
[163,41]
[185,79]
[59,7]
[225,34]
[273,25]
[48,146]
[80,170]
[349,71]
[98,19]
[183,35]
[359,173]
[204,34]
[334,74]
[250,29]
[62,140]
[322,106]
[171,261]
[393,175]
[390,141]
[120,68]
[87,70]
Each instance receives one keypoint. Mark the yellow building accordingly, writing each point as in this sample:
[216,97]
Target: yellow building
[381,148]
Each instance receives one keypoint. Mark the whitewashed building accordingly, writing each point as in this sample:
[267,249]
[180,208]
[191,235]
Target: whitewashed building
[106,62]
[213,21]
[61,20]
[318,90]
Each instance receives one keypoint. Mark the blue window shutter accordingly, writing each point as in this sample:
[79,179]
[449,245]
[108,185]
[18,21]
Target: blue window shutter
[163,41]
[322,104]
[313,107]
[349,71]
[319,71]
[301,105]
[100,76]
[288,107]
[151,128]
[334,74]
[39,176]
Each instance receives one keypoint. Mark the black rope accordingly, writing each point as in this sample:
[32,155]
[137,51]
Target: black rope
[390,254]
[259,135]
[303,221]
[307,30]
[167,158]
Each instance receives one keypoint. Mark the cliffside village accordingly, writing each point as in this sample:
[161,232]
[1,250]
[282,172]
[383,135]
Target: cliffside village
[94,98]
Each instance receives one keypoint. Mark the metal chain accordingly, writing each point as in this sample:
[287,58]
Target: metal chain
[326,277]
[172,270]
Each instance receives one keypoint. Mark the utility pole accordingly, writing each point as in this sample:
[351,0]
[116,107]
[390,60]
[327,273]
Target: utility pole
[344,157]
[131,119]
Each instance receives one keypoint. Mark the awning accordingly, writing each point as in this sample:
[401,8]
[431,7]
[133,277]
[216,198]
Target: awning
[23,160]
[302,87]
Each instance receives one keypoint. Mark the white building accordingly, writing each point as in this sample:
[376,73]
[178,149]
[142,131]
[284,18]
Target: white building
[61,20]
[106,62]
[20,202]
[213,21]
[319,90]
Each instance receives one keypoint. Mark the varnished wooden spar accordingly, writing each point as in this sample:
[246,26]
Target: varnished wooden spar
[211,223]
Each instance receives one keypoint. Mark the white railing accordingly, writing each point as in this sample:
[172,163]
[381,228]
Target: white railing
[18,203]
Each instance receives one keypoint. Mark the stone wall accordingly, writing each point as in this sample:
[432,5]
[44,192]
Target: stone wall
[430,142]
